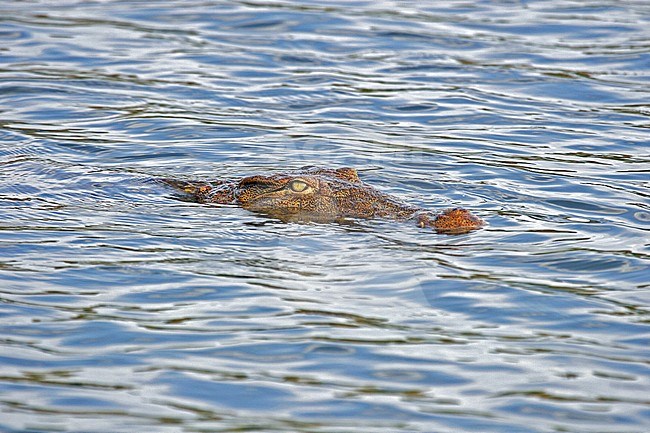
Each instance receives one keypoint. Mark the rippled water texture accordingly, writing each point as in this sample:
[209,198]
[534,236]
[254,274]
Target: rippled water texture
[126,309]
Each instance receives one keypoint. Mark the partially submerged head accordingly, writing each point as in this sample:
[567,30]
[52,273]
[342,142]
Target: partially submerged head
[322,195]
[309,193]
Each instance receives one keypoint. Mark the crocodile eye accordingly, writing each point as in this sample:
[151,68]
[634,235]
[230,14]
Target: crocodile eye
[298,186]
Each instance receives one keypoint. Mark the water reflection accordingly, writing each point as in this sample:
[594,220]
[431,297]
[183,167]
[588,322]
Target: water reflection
[124,308]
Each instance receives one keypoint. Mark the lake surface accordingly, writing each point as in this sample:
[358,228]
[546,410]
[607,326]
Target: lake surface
[123,308]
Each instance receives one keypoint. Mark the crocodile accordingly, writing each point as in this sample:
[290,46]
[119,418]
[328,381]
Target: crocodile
[321,195]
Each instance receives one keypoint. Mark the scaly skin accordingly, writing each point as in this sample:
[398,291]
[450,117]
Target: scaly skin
[321,194]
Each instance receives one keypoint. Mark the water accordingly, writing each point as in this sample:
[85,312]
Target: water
[124,309]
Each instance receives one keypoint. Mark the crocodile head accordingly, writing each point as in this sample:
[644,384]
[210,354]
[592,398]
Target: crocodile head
[313,193]
[322,195]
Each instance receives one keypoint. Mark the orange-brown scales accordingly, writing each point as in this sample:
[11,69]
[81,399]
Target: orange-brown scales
[322,194]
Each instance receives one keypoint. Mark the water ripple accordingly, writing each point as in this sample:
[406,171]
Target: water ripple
[125,308]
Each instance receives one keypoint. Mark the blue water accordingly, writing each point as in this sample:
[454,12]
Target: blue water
[125,309]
